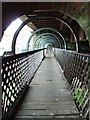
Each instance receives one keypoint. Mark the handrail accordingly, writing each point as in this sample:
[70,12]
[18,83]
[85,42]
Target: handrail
[76,68]
[17,72]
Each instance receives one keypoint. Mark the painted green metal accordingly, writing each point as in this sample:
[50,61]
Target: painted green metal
[45,41]
[48,43]
[49,34]
[48,38]
[46,28]
[32,18]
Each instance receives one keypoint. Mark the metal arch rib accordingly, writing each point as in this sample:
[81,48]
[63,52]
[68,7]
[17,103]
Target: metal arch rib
[23,24]
[49,34]
[31,19]
[47,28]
[48,43]
[49,39]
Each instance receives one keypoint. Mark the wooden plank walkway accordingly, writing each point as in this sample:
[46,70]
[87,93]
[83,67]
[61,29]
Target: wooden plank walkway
[48,95]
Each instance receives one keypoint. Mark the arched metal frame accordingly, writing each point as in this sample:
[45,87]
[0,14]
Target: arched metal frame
[65,23]
[51,39]
[32,19]
[49,34]
[48,38]
[71,32]
[44,39]
[47,28]
[48,44]
[39,38]
[45,42]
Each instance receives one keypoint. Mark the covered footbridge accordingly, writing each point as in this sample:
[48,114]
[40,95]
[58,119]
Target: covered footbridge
[45,70]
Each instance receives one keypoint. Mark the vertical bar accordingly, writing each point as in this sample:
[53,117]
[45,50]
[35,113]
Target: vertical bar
[43,54]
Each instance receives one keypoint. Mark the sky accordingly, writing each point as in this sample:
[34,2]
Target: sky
[6,42]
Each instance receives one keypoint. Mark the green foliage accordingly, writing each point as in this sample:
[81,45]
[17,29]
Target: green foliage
[79,94]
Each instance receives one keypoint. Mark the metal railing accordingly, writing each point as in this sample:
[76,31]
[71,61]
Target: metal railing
[76,68]
[17,72]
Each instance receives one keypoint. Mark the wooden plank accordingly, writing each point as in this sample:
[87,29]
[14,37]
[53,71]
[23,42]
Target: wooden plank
[48,93]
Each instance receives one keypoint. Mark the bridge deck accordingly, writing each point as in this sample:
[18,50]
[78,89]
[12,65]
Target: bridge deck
[48,95]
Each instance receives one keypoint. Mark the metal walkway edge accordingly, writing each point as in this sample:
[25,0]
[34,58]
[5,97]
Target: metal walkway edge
[48,96]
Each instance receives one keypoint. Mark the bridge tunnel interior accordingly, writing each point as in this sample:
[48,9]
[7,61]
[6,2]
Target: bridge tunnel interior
[65,25]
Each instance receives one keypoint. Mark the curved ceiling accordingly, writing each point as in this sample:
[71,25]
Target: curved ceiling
[62,16]
[13,10]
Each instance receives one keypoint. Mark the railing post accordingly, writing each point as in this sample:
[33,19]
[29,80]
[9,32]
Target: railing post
[44,53]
